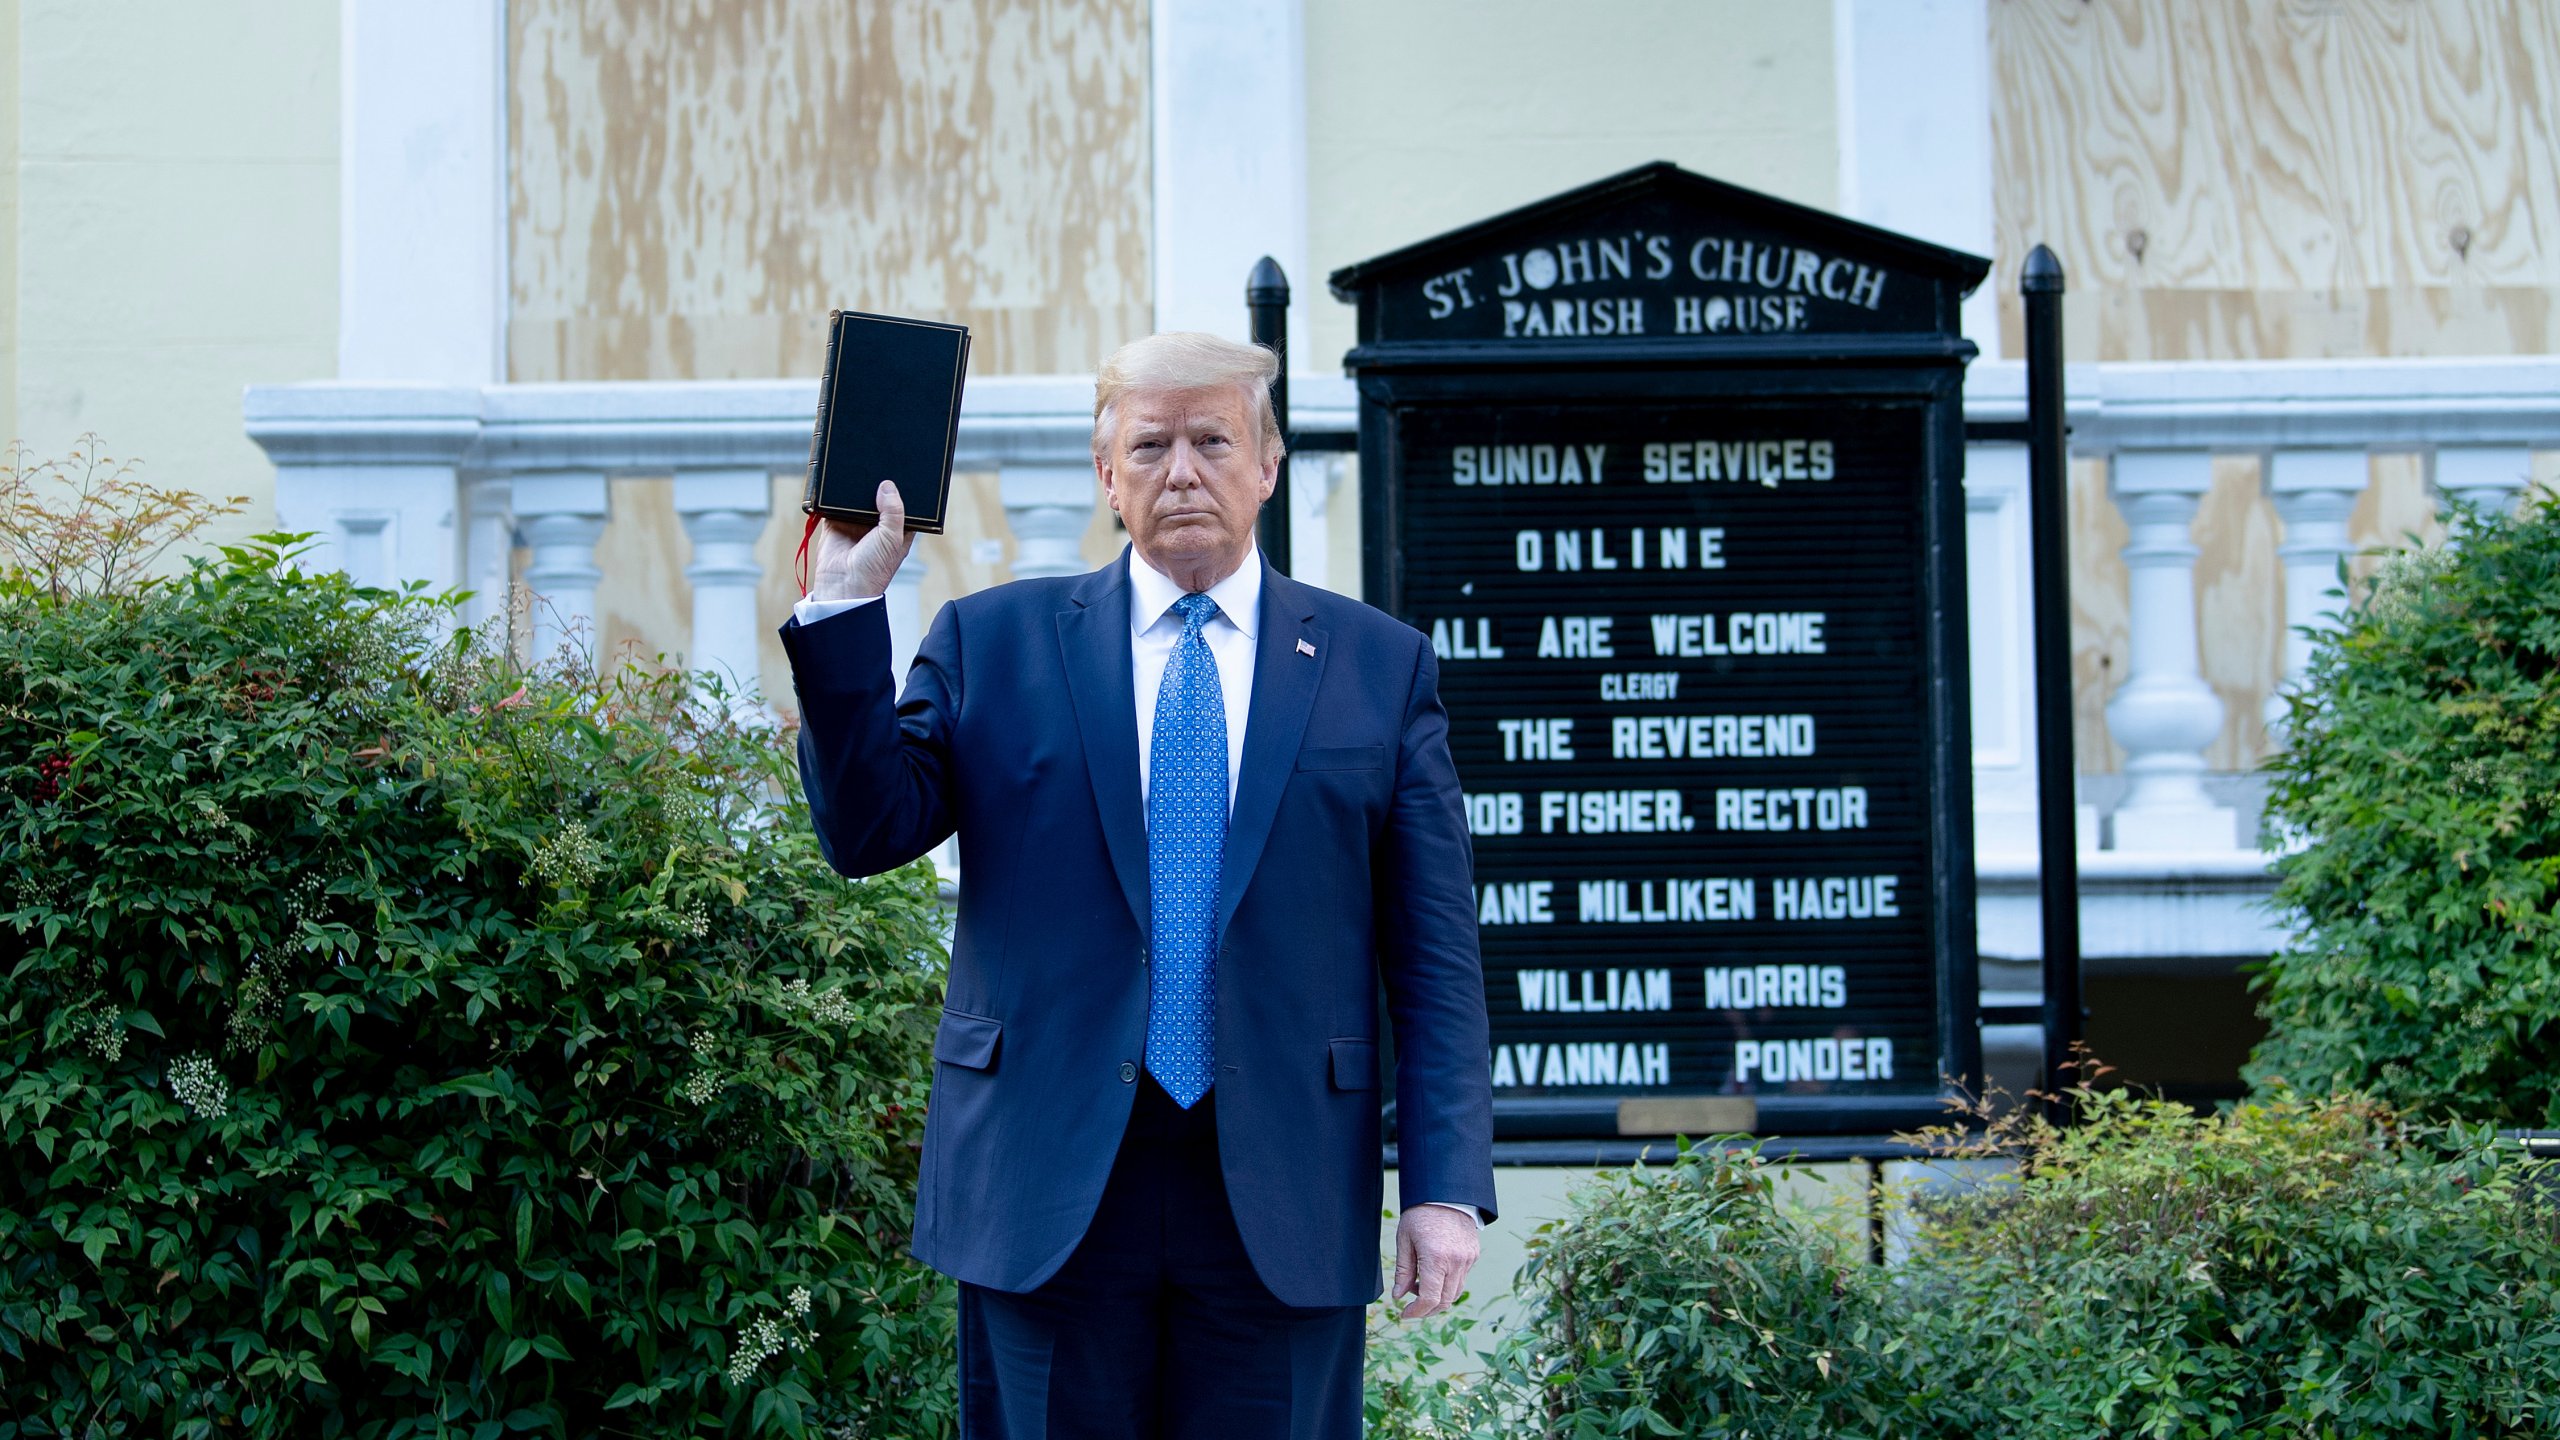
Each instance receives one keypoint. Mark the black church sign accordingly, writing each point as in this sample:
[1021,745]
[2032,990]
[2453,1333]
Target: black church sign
[1671,473]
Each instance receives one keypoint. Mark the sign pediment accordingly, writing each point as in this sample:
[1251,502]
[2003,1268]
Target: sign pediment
[1659,254]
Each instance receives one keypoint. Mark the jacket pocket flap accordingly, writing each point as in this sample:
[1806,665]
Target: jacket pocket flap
[1355,1065]
[966,1040]
[1349,757]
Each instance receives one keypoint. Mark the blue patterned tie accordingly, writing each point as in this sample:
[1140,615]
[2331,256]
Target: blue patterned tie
[1186,844]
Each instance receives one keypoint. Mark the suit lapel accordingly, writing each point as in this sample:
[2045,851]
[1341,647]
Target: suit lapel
[1284,694]
[1093,637]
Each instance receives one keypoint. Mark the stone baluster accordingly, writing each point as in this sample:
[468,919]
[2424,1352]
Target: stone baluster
[563,514]
[2165,715]
[2492,477]
[1049,507]
[2315,492]
[905,600]
[724,514]
[488,546]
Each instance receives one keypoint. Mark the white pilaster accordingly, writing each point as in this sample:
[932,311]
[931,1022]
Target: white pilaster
[1229,90]
[1049,507]
[2165,715]
[1913,100]
[2315,493]
[562,513]
[422,212]
[2492,477]
[2000,631]
[724,513]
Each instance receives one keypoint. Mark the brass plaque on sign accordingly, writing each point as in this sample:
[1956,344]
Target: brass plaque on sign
[1691,1115]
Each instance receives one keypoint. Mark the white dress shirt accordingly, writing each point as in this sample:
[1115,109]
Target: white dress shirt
[1153,629]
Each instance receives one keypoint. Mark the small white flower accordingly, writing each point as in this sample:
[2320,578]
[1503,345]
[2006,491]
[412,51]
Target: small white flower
[199,1086]
[799,1299]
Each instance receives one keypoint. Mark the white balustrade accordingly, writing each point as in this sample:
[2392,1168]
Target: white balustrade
[2165,714]
[905,600]
[488,546]
[441,483]
[562,513]
[2492,477]
[368,471]
[724,514]
[2315,492]
[1049,507]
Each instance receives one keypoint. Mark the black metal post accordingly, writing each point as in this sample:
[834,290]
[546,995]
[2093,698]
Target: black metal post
[2057,771]
[1266,303]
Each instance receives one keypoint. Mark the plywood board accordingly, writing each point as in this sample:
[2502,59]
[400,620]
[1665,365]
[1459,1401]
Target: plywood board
[693,187]
[2282,178]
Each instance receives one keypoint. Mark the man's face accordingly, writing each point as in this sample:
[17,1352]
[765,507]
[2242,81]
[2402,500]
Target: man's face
[1186,472]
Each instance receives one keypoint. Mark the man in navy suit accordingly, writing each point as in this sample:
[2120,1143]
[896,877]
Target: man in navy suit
[1203,812]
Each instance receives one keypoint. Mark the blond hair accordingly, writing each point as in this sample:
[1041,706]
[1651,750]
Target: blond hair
[1186,360]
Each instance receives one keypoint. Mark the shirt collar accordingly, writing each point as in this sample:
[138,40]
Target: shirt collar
[1152,593]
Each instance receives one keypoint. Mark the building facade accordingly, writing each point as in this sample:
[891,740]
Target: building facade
[533,291]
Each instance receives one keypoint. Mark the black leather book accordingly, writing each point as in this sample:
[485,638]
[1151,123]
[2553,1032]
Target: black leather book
[888,409]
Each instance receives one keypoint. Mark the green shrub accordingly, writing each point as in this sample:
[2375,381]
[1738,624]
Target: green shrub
[397,1042]
[2293,1268]
[2422,774]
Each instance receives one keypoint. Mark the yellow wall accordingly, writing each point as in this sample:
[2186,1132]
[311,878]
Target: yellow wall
[1423,115]
[175,229]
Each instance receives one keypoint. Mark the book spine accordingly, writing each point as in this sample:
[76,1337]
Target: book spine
[818,431]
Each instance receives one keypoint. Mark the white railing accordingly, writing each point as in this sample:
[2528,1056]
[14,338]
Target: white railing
[441,484]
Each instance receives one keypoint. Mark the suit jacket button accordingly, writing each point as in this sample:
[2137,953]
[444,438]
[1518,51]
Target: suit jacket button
[1128,1073]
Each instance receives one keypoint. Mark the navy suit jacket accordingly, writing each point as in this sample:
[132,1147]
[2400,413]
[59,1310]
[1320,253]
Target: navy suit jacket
[1347,862]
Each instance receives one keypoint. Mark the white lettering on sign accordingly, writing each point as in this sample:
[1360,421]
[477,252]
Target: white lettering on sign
[1556,990]
[1517,902]
[1575,637]
[1580,318]
[1766,463]
[1526,464]
[1710,737]
[1581,1062]
[1835,897]
[1641,685]
[1830,1057]
[1448,294]
[1844,808]
[1450,641]
[1797,271]
[1776,987]
[1663,548]
[1665,902]
[1612,812]
[1744,632]
[1540,739]
[1498,813]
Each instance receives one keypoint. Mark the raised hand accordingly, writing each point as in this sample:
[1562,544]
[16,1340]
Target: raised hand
[850,561]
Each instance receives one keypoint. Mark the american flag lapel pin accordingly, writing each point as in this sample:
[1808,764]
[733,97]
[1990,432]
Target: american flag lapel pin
[1306,649]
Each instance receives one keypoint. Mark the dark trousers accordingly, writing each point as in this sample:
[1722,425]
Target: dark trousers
[1157,1328]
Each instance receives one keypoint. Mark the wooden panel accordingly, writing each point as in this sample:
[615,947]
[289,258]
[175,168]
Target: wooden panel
[2282,178]
[693,187]
[2101,647]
